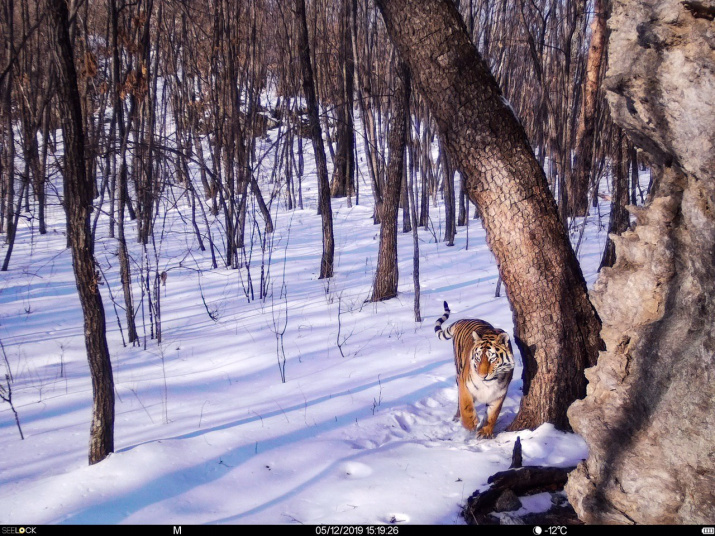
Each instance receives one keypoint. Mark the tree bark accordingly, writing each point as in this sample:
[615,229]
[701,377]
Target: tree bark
[619,219]
[326,263]
[412,189]
[10,132]
[144,174]
[386,275]
[344,173]
[556,327]
[121,183]
[450,224]
[78,199]
[463,217]
[581,178]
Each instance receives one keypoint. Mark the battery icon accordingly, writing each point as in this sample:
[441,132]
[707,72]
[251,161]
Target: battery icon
[708,530]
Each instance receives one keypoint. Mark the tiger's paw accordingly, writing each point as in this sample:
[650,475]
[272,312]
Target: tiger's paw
[486,432]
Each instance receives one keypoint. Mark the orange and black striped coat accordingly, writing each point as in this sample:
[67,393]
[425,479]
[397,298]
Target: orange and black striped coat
[484,362]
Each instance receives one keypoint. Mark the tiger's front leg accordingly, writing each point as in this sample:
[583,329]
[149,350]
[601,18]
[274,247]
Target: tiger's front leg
[493,410]
[466,410]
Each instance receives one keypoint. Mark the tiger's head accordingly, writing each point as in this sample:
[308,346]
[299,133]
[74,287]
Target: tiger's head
[491,355]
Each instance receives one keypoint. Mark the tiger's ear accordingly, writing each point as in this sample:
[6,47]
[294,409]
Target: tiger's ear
[476,336]
[503,338]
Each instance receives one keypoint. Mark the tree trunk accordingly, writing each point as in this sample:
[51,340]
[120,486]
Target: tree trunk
[463,217]
[426,173]
[364,97]
[40,176]
[635,185]
[412,189]
[343,175]
[556,327]
[581,178]
[12,229]
[121,182]
[326,262]
[78,199]
[9,132]
[450,223]
[386,275]
[405,199]
[144,171]
[619,219]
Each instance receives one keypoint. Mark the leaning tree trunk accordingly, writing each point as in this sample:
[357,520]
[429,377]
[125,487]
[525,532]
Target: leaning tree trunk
[326,263]
[649,417]
[556,327]
[78,200]
[386,275]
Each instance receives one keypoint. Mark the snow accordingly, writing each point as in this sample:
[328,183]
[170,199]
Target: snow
[206,432]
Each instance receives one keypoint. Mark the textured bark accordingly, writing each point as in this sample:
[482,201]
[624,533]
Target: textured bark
[344,173]
[9,164]
[581,178]
[619,219]
[121,183]
[556,327]
[463,217]
[386,276]
[649,417]
[426,174]
[415,239]
[405,203]
[450,225]
[326,262]
[145,180]
[78,199]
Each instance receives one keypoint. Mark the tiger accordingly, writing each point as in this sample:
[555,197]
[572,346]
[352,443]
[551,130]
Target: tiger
[485,365]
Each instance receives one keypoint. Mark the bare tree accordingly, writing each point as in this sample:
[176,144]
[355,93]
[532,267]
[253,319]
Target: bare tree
[325,209]
[386,276]
[578,194]
[119,182]
[450,227]
[344,173]
[78,198]
[8,184]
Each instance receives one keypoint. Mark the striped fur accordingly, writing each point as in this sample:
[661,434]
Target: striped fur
[484,363]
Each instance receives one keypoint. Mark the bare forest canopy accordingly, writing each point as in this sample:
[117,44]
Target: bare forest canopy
[108,106]
[210,68]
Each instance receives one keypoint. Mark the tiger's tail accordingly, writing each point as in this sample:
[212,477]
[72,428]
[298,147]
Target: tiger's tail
[443,334]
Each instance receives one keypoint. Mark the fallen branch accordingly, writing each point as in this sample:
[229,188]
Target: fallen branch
[505,488]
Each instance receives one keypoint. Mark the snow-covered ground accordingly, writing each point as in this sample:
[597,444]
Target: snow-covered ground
[206,432]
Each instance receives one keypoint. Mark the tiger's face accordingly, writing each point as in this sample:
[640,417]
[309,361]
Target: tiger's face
[491,355]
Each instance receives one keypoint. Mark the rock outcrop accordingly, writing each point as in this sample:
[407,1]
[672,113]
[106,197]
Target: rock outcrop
[661,79]
[649,415]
